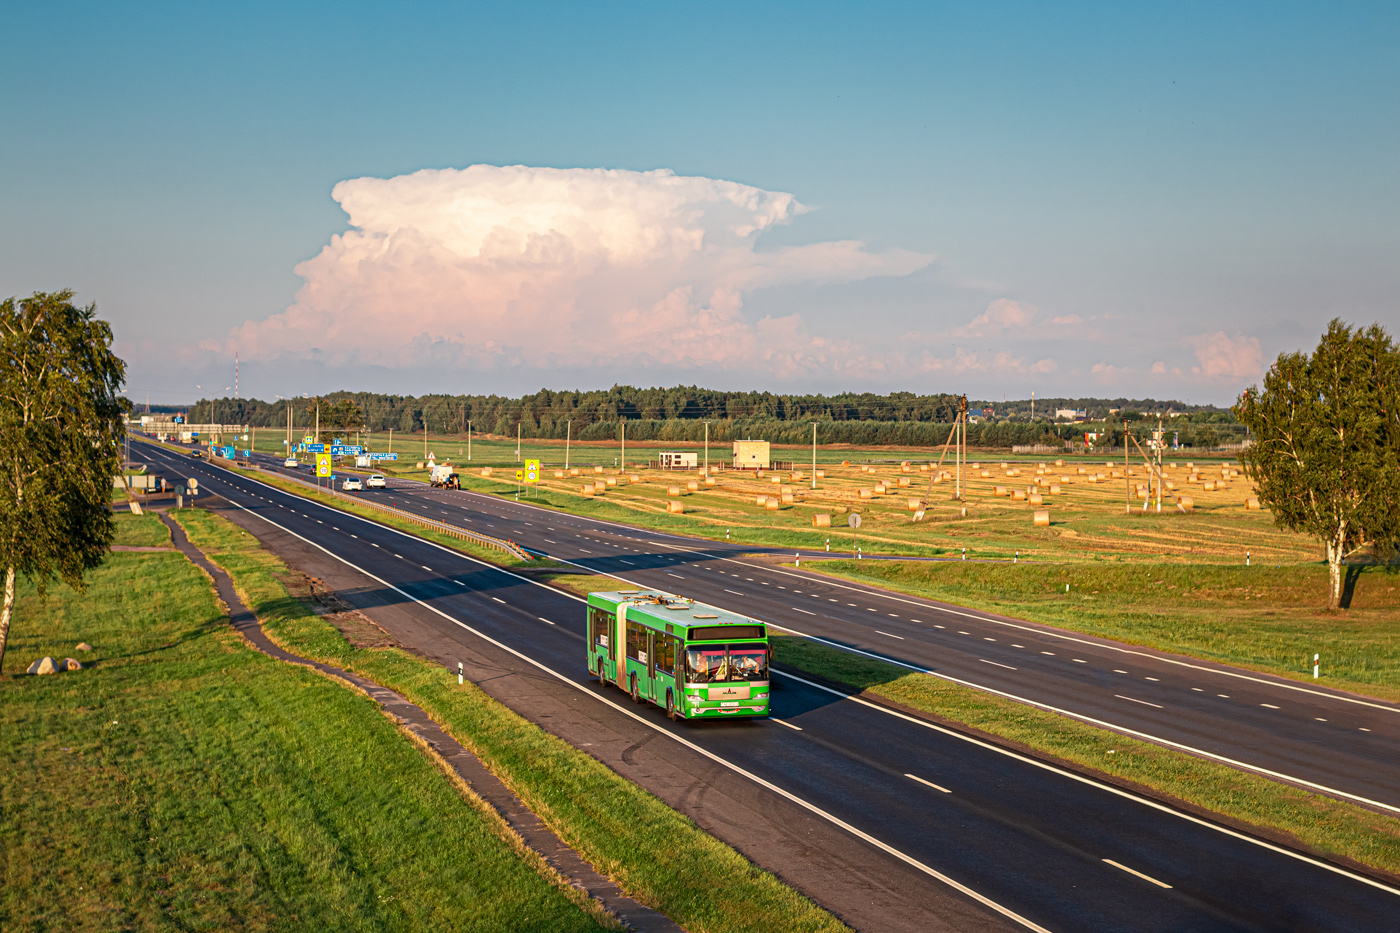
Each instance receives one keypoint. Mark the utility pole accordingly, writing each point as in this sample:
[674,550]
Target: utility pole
[814,455]
[517,442]
[391,439]
[425,435]
[1127,482]
[962,448]
[469,438]
[707,448]
[1032,404]
[622,461]
[568,435]
[318,421]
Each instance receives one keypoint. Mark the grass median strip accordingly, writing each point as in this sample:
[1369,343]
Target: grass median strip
[1262,618]
[183,780]
[1272,809]
[658,856]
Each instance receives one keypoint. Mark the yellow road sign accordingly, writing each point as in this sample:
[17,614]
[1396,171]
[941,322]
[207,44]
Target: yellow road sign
[532,471]
[519,475]
[323,465]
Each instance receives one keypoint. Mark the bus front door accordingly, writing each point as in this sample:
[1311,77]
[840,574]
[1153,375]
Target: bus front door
[651,665]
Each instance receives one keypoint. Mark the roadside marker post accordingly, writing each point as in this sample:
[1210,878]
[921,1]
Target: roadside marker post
[1316,658]
[459,673]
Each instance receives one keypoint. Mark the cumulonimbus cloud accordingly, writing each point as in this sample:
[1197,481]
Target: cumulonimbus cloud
[1227,359]
[515,265]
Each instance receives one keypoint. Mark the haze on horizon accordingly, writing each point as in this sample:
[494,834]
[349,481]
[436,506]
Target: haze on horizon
[1084,201]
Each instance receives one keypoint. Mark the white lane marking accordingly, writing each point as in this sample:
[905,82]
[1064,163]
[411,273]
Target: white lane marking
[1124,730]
[869,609]
[1143,702]
[1155,679]
[998,664]
[735,592]
[373,544]
[551,542]
[915,777]
[356,537]
[637,717]
[888,635]
[543,619]
[429,569]
[1319,719]
[1268,706]
[459,582]
[1364,729]
[783,723]
[1223,696]
[1198,690]
[1084,779]
[585,550]
[1018,646]
[676,575]
[1117,671]
[499,600]
[803,611]
[1160,884]
[627,562]
[1079,661]
[985,638]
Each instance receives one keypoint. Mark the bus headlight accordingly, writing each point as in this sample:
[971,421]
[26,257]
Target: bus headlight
[692,700]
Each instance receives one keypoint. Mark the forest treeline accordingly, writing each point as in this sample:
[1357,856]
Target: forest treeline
[675,414]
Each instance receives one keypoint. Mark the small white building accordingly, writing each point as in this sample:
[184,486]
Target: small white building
[1070,414]
[678,460]
[751,455]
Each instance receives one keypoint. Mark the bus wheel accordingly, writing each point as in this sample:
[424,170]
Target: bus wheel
[636,697]
[671,706]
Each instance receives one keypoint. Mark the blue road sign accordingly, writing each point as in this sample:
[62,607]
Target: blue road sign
[384,456]
[346,450]
[316,448]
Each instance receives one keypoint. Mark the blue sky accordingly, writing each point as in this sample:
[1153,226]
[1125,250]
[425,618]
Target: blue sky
[1072,199]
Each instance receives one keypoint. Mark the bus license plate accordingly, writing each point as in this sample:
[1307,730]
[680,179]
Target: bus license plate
[730,703]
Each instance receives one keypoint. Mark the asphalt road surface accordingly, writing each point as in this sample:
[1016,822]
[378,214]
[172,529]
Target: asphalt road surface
[889,820]
[1326,740]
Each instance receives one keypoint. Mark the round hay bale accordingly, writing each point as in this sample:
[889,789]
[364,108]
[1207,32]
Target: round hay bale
[1054,489]
[420,465]
[634,478]
[485,471]
[610,481]
[692,486]
[998,490]
[821,474]
[821,520]
[711,481]
[772,504]
[1059,463]
[1041,518]
[601,486]
[675,507]
[914,505]
[986,474]
[587,489]
[845,463]
[558,474]
[761,500]
[787,498]
[1252,504]
[1018,495]
[904,481]
[673,491]
[597,469]
[1184,503]
[1209,485]
[796,476]
[775,478]
[573,471]
[867,493]
[1037,499]
[1082,471]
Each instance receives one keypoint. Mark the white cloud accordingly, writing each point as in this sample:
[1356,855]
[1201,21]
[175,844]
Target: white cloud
[1002,362]
[1223,358]
[1001,315]
[496,266]
[1067,319]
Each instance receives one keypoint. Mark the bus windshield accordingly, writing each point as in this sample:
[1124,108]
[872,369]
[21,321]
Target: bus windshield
[726,663]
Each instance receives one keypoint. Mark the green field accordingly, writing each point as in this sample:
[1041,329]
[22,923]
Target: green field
[184,781]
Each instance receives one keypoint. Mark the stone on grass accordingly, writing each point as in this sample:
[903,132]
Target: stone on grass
[71,664]
[44,665]
[84,646]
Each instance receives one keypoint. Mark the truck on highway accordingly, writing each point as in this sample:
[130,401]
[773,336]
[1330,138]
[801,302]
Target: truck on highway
[443,477]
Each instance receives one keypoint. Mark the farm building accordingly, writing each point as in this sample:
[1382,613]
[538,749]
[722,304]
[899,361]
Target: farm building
[678,460]
[749,455]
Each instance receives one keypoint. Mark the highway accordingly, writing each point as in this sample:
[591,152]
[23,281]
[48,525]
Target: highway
[887,819]
[1327,740]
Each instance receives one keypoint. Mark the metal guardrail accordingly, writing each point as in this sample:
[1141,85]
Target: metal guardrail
[500,544]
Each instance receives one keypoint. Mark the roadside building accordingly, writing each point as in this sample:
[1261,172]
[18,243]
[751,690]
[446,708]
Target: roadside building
[677,460]
[751,455]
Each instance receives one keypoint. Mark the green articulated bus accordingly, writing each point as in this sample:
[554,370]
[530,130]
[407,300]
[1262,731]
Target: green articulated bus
[697,661]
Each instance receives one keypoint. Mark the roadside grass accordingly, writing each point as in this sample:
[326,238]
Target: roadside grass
[654,853]
[1262,618]
[185,781]
[140,531]
[1321,823]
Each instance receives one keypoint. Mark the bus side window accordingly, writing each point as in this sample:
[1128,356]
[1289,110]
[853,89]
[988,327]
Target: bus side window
[633,638]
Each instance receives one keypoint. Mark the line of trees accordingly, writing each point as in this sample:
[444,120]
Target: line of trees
[674,414]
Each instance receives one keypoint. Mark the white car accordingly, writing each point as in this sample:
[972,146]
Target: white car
[291,462]
[352,484]
[376,481]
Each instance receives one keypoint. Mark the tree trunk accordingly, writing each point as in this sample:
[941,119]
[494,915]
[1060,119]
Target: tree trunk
[6,612]
[1335,554]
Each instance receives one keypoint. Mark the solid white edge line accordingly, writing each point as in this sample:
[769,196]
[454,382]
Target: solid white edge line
[915,777]
[768,785]
[998,664]
[1039,764]
[1133,700]
[783,722]
[1160,884]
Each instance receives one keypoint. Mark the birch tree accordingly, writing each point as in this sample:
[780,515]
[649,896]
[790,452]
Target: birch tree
[1325,451]
[61,428]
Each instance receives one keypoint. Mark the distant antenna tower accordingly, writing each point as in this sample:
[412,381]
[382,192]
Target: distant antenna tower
[235,374]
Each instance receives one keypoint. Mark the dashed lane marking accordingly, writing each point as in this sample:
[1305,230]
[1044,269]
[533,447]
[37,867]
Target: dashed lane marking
[915,777]
[1143,702]
[1160,884]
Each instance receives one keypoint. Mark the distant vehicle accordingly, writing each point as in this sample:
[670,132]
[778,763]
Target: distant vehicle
[196,452]
[376,481]
[444,478]
[352,484]
[291,462]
